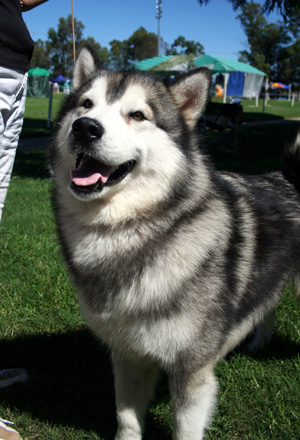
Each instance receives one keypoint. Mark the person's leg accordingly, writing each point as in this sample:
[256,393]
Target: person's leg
[13,86]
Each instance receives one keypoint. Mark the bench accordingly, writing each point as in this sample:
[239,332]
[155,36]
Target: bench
[223,118]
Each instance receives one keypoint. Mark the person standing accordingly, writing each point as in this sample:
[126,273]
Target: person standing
[16,48]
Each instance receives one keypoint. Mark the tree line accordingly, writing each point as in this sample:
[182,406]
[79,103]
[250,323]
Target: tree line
[56,53]
[271,47]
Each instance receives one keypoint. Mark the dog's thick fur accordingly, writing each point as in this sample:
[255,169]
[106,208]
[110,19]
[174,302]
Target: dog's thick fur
[174,263]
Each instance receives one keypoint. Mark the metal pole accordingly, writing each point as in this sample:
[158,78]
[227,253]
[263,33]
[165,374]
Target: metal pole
[158,16]
[50,104]
[158,40]
[73,31]
[265,103]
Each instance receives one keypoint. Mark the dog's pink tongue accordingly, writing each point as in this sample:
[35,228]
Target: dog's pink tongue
[90,171]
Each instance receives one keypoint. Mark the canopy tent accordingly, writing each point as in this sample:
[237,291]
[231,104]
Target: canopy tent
[244,80]
[59,78]
[38,83]
[176,63]
[150,63]
[222,65]
[279,85]
[168,64]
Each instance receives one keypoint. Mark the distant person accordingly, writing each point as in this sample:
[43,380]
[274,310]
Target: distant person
[16,48]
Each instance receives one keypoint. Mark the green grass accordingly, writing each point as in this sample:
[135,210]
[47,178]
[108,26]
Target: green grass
[276,109]
[71,395]
[36,116]
[36,113]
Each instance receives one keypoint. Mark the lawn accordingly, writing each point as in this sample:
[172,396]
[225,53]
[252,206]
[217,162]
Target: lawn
[70,396]
[36,116]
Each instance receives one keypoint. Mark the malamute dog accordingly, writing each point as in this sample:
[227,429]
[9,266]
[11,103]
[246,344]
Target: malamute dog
[174,263]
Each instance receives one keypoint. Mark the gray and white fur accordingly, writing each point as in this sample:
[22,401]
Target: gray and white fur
[174,263]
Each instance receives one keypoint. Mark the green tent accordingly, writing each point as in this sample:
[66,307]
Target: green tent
[150,63]
[38,83]
[177,63]
[168,64]
[225,65]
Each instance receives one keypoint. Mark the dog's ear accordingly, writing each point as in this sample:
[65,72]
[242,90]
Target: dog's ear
[85,65]
[191,93]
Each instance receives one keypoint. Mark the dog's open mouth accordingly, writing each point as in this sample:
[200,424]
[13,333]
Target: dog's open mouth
[91,175]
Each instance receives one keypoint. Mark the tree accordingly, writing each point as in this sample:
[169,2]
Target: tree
[40,56]
[118,54]
[289,65]
[265,41]
[102,53]
[141,45]
[60,45]
[181,46]
[287,8]
[271,47]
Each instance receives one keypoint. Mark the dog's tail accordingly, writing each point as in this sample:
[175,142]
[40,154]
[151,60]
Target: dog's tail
[291,163]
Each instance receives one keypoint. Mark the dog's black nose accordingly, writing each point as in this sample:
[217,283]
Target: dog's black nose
[87,130]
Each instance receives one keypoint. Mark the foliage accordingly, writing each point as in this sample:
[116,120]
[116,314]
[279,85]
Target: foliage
[40,57]
[118,54]
[272,47]
[60,45]
[102,53]
[181,46]
[56,54]
[289,9]
[141,45]
[265,40]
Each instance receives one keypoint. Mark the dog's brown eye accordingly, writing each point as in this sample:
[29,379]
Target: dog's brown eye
[87,103]
[138,116]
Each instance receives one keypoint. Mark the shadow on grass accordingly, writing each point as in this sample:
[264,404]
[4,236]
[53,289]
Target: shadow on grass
[71,383]
[259,149]
[278,348]
[31,163]
[258,117]
[36,128]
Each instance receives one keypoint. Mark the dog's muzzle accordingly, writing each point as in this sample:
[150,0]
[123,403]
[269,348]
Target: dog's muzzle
[90,174]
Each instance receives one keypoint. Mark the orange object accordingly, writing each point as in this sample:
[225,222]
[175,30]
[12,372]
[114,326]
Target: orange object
[219,91]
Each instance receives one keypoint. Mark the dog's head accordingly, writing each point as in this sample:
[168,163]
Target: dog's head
[119,129]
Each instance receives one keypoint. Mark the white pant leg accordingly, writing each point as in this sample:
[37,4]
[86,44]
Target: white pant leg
[13,86]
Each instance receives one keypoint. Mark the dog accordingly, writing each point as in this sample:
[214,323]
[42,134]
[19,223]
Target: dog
[174,262]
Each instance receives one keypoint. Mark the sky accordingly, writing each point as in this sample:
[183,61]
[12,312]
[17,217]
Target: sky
[214,25]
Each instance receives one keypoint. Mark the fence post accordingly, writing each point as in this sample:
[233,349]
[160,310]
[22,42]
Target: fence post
[50,104]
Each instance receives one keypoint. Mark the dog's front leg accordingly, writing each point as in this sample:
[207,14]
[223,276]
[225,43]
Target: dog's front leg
[193,397]
[134,383]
